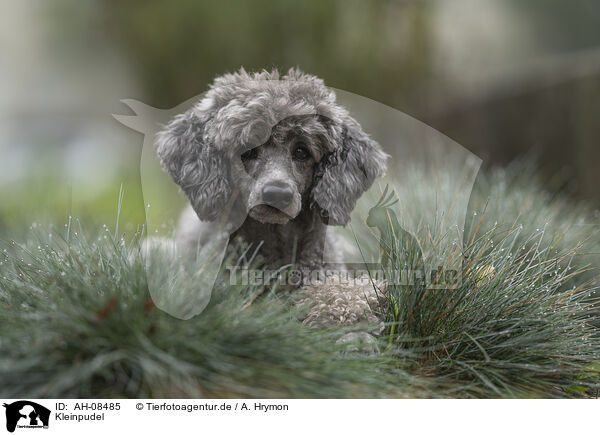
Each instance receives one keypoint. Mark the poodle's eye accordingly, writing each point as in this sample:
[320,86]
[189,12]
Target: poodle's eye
[300,152]
[251,154]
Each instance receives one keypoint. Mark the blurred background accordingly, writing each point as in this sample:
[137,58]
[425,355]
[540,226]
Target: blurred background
[503,78]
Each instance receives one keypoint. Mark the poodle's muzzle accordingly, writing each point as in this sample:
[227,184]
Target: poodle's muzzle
[274,197]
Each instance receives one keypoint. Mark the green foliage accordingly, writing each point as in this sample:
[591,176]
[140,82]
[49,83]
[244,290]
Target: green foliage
[515,327]
[50,199]
[76,319]
[524,320]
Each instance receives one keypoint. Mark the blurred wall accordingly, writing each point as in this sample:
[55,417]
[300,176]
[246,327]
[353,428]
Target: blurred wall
[500,77]
[556,121]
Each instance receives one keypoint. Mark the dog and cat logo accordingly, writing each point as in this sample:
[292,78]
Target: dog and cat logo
[25,414]
[388,230]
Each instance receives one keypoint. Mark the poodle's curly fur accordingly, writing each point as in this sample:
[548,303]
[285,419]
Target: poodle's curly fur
[341,303]
[273,157]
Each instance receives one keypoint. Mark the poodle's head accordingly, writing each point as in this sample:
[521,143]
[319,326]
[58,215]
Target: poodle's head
[275,145]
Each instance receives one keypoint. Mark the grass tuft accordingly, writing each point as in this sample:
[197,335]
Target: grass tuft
[76,319]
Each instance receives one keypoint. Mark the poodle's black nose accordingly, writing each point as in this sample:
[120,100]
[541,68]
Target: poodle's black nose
[278,195]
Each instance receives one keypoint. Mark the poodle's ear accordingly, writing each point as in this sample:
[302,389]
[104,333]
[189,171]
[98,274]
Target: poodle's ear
[199,169]
[346,173]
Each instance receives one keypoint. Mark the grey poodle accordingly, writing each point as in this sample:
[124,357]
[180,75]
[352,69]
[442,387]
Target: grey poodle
[275,159]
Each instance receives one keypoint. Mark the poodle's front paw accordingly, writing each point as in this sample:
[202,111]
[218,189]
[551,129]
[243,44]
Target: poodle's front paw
[361,342]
